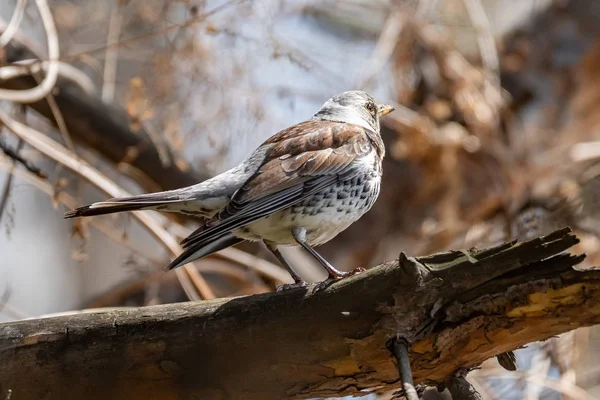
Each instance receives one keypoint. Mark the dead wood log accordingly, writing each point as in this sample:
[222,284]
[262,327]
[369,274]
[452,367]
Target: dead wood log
[456,309]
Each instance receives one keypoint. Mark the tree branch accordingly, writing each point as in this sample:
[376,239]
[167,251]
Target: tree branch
[399,349]
[103,127]
[17,158]
[461,389]
[455,309]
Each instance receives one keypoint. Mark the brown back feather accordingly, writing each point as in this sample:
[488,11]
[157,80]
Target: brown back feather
[299,154]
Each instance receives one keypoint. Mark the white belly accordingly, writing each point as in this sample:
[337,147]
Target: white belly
[324,215]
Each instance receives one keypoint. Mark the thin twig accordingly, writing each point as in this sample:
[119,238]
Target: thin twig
[7,309]
[63,156]
[585,151]
[487,47]
[34,66]
[13,154]
[192,21]
[39,92]
[485,37]
[260,266]
[400,351]
[13,312]
[60,154]
[257,264]
[384,48]
[112,53]
[58,118]
[482,388]
[5,297]
[540,366]
[477,95]
[43,185]
[9,180]
[565,388]
[161,145]
[235,256]
[14,23]
[119,293]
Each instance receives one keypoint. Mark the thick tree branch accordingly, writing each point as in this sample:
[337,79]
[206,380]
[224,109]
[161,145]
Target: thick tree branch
[456,309]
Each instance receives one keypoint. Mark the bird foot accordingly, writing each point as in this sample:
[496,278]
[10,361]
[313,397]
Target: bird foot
[356,270]
[290,286]
[333,278]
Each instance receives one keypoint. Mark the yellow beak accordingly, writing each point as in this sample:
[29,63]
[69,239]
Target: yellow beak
[384,109]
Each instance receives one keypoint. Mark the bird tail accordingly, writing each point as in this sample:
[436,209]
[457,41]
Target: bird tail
[203,199]
[198,251]
[174,200]
[101,209]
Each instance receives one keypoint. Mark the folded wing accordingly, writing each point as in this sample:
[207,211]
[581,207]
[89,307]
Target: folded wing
[292,171]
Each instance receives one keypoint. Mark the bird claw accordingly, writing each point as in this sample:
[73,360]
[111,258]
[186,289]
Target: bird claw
[325,284]
[355,271]
[290,286]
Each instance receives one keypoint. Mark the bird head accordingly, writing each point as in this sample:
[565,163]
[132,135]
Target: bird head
[354,107]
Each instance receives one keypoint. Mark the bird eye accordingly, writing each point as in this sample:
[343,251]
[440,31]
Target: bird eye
[371,107]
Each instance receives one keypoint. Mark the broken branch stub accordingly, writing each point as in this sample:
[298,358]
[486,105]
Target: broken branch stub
[456,310]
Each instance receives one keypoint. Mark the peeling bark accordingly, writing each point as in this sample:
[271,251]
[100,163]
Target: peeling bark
[457,309]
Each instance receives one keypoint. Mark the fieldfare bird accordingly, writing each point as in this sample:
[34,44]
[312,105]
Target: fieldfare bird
[302,186]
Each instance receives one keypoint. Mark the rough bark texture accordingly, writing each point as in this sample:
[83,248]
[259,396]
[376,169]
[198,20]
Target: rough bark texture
[457,309]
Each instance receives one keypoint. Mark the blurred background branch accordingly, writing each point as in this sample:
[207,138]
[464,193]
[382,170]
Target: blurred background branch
[494,138]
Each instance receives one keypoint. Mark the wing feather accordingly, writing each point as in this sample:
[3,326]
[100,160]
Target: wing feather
[302,161]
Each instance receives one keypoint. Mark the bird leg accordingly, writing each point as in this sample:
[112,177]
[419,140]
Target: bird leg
[299,235]
[298,281]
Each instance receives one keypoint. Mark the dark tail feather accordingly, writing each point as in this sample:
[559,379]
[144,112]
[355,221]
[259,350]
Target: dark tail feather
[132,203]
[88,211]
[199,251]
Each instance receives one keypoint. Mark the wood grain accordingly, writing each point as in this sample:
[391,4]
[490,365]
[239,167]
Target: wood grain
[457,309]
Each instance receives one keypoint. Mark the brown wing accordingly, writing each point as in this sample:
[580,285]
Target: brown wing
[302,161]
[307,150]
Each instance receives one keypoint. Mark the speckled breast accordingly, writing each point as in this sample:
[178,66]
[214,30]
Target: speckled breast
[323,215]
